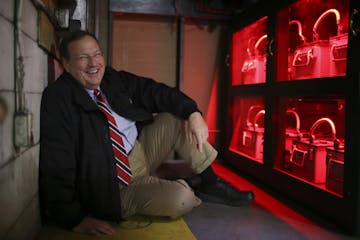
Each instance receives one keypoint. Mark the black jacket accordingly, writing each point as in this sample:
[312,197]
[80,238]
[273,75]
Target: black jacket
[77,176]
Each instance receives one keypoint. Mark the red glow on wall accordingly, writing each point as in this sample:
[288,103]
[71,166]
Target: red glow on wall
[212,113]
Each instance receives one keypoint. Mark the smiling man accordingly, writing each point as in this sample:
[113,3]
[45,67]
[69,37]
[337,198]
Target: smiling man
[101,144]
[86,63]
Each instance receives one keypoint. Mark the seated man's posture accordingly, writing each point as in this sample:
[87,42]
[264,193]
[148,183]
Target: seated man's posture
[100,145]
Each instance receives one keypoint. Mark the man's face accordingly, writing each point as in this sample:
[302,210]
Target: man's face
[86,62]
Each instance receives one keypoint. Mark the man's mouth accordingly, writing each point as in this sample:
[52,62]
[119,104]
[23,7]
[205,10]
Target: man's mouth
[92,71]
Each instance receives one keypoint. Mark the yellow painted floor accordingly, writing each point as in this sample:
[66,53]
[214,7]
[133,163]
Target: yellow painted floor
[136,228]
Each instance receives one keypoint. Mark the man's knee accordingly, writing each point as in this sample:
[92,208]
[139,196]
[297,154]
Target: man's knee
[167,118]
[184,200]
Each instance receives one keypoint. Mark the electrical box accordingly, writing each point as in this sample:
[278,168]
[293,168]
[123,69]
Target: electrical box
[22,129]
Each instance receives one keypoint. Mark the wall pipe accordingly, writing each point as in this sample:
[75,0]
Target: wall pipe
[19,72]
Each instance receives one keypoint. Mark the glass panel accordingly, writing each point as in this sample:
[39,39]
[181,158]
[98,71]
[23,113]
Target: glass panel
[312,145]
[248,54]
[248,127]
[316,35]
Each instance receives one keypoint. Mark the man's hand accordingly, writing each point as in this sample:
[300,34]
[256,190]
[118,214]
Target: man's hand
[197,130]
[94,226]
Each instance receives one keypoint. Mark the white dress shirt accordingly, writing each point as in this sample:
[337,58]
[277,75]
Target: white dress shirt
[126,127]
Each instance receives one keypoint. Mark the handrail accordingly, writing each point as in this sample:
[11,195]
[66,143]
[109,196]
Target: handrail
[258,42]
[319,122]
[297,119]
[322,16]
[298,23]
[256,118]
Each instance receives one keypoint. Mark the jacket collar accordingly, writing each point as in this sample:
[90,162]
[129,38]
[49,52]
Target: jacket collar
[81,97]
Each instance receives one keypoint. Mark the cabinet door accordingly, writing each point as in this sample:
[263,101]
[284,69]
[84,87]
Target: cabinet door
[312,40]
[247,138]
[298,130]
[312,45]
[248,54]
[311,141]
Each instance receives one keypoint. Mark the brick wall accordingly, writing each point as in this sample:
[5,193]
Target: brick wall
[19,166]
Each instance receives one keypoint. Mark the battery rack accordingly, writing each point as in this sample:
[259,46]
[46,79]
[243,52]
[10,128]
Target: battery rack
[292,103]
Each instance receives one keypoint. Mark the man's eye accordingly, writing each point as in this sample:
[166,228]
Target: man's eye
[83,57]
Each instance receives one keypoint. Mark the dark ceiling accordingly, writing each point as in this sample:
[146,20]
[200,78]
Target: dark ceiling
[191,8]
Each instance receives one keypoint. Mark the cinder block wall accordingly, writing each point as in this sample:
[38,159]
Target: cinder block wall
[19,210]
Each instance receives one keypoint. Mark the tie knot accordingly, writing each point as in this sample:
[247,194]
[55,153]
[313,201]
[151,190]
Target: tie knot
[96,92]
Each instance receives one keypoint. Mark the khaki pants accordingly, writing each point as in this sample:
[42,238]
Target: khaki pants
[150,195]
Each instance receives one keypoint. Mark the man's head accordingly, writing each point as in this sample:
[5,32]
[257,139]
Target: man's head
[82,58]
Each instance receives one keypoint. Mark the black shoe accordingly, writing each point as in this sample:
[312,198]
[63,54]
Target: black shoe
[223,193]
[194,181]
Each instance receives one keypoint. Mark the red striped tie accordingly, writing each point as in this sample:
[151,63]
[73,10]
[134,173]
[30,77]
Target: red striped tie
[121,160]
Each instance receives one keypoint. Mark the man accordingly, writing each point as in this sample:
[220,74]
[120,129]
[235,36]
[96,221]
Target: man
[79,187]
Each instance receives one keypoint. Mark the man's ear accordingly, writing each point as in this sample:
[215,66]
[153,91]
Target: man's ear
[65,64]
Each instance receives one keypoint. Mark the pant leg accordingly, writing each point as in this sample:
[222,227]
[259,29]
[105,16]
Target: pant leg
[150,195]
[157,197]
[167,134]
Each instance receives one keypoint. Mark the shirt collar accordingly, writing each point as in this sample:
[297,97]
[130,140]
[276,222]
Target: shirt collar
[91,93]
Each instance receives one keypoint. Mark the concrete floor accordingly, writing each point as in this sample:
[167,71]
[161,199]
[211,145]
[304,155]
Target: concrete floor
[218,222]
[265,219]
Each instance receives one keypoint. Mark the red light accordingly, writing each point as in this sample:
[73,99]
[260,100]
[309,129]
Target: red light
[317,39]
[297,221]
[248,55]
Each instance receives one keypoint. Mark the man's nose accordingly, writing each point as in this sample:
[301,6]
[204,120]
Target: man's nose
[92,61]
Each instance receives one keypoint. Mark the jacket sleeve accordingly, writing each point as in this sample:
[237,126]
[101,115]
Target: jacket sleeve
[57,166]
[157,97]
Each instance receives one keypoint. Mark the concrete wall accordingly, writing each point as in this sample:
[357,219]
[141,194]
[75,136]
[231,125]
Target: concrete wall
[19,209]
[19,166]
[146,46]
[201,58]
[200,62]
